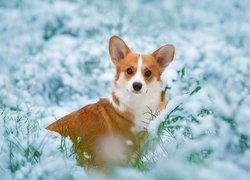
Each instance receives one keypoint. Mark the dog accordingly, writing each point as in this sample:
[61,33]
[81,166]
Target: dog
[105,132]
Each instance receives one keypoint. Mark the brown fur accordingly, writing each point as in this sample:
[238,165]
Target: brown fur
[90,124]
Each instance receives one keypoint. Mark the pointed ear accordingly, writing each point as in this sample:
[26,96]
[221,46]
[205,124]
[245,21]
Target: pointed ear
[118,49]
[164,56]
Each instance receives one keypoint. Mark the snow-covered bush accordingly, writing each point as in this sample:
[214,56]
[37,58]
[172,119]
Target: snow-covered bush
[54,59]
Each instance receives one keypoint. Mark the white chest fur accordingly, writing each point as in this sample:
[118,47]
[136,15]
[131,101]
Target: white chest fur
[142,106]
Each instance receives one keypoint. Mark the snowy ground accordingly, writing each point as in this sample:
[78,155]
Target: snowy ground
[54,59]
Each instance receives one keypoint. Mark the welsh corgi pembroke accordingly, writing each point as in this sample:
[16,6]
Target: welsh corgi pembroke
[104,133]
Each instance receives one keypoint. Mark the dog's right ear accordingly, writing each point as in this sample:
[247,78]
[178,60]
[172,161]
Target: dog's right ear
[118,49]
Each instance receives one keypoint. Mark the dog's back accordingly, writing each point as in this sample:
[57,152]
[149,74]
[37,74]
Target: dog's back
[94,128]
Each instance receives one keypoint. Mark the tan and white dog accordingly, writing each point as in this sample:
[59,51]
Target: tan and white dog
[105,132]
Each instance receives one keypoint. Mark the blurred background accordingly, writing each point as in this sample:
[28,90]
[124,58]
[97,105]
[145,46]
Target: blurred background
[54,59]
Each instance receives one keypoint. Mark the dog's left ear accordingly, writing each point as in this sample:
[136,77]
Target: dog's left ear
[164,56]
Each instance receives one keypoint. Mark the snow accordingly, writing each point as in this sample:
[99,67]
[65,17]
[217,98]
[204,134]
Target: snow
[54,60]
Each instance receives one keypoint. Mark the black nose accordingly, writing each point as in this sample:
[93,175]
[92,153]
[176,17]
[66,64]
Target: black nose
[137,86]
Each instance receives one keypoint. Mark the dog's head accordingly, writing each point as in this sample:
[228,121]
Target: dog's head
[137,74]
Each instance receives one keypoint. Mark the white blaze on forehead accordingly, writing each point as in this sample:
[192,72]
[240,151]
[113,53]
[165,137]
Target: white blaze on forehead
[138,76]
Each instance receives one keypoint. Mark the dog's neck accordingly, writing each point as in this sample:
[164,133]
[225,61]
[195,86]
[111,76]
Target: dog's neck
[143,107]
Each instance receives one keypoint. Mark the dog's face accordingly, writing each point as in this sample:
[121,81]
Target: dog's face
[138,74]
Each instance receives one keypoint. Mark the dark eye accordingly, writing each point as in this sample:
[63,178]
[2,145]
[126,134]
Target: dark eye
[130,71]
[148,73]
